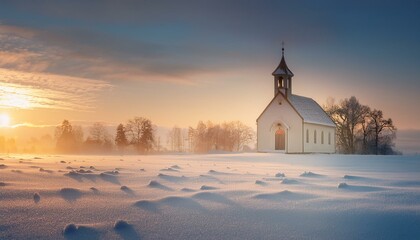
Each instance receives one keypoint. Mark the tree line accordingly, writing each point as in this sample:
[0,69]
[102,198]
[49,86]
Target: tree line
[139,135]
[360,129]
[208,136]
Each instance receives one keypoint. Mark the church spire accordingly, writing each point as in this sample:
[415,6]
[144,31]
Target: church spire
[282,77]
[282,68]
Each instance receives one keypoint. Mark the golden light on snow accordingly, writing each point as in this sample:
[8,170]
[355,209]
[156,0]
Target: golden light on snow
[4,120]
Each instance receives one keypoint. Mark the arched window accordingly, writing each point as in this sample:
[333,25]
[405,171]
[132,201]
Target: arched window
[329,138]
[322,137]
[307,135]
[314,136]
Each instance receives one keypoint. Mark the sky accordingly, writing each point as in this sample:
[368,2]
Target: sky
[178,62]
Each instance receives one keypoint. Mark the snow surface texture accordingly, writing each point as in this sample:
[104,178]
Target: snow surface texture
[231,196]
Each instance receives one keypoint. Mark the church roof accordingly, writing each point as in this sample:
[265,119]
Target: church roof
[310,110]
[282,68]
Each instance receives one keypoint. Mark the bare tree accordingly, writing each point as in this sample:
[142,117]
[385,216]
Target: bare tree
[175,139]
[141,133]
[229,136]
[347,116]
[242,135]
[360,129]
[379,124]
[98,133]
[133,130]
[99,139]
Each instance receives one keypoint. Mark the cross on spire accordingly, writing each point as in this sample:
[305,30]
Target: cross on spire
[282,48]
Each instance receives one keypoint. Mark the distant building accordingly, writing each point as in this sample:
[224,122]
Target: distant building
[292,123]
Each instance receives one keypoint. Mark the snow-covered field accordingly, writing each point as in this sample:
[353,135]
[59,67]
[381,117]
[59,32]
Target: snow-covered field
[232,196]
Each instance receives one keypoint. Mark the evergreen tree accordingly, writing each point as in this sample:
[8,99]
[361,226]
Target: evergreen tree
[120,138]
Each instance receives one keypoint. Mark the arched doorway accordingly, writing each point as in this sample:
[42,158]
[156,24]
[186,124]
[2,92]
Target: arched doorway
[280,142]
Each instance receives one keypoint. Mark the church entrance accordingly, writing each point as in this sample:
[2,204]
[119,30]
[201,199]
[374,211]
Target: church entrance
[280,142]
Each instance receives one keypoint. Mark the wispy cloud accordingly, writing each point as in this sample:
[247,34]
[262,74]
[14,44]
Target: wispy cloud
[31,125]
[40,90]
[92,55]
[28,79]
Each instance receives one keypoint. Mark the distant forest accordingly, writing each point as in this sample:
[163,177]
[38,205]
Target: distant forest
[137,135]
[360,130]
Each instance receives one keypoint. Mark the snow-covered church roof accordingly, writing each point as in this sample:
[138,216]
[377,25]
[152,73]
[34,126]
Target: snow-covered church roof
[310,110]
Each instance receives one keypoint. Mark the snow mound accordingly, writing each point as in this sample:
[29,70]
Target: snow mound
[109,178]
[272,179]
[284,195]
[188,190]
[125,230]
[214,172]
[205,187]
[171,201]
[82,171]
[211,178]
[352,177]
[36,197]
[127,190]
[169,170]
[259,182]
[44,170]
[280,174]
[289,181]
[172,178]
[120,225]
[213,197]
[72,231]
[310,174]
[175,167]
[158,185]
[70,194]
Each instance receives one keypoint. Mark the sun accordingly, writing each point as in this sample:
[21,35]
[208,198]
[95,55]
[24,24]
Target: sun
[4,120]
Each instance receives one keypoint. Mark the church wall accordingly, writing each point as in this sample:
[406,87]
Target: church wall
[290,121]
[309,144]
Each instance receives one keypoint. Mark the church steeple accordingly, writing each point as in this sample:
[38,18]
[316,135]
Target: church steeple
[282,77]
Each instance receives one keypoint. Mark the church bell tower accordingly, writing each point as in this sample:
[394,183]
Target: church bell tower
[282,78]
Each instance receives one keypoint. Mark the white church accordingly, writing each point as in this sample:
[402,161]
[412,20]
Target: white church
[292,123]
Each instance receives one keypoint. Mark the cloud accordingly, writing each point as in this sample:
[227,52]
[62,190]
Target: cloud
[149,40]
[41,90]
[94,55]
[31,125]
